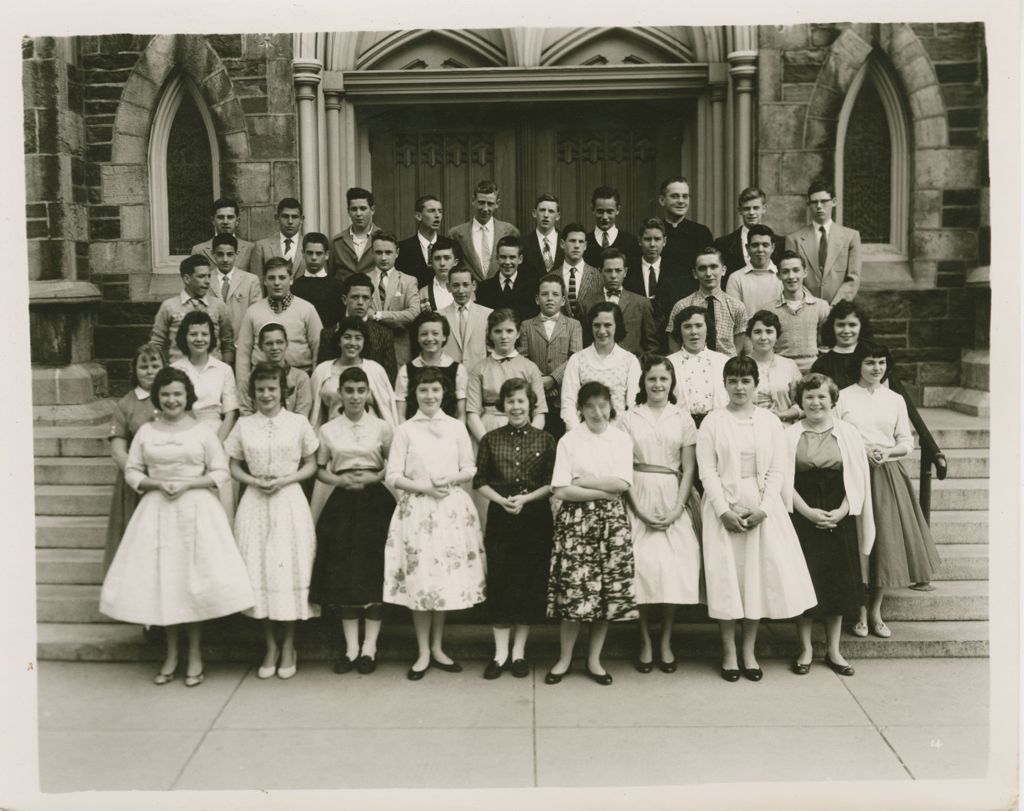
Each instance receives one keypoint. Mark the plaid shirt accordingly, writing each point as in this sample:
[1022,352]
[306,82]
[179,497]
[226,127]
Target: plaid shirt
[730,317]
[515,460]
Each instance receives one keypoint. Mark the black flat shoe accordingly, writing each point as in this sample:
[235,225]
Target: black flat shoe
[453,667]
[752,673]
[800,669]
[416,675]
[604,679]
[730,674]
[493,670]
[642,666]
[365,665]
[667,667]
[842,670]
[343,665]
[555,678]
[520,668]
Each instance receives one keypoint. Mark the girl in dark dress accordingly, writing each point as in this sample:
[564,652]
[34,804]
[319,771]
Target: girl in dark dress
[348,572]
[831,493]
[514,464]
[428,335]
[846,325]
[130,413]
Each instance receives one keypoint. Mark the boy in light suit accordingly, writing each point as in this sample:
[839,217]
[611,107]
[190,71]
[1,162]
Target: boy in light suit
[467,338]
[831,253]
[481,234]
[396,299]
[237,288]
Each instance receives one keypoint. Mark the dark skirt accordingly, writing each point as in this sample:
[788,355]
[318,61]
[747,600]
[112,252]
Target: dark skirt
[592,563]
[904,551]
[518,559]
[122,505]
[349,566]
[832,555]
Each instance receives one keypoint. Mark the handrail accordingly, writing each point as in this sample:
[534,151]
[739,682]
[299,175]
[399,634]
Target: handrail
[931,453]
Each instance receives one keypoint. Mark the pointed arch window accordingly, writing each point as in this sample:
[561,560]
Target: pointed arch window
[873,163]
[184,173]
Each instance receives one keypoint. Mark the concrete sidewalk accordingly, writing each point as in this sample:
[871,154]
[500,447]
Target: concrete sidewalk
[106,727]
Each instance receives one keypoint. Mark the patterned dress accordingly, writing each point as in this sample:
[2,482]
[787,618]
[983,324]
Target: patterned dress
[591,575]
[275,532]
[130,413]
[434,558]
[178,561]
[517,461]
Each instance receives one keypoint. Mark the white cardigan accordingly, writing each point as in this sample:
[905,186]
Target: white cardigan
[856,476]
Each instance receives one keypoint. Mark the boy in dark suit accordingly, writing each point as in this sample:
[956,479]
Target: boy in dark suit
[317,284]
[683,237]
[512,287]
[414,252]
[652,279]
[606,234]
[542,251]
[637,312]
[753,204]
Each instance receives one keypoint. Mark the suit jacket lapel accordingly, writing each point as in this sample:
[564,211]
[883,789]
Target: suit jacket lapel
[836,246]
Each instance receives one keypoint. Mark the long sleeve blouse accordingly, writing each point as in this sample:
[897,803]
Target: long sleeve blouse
[429,447]
[880,416]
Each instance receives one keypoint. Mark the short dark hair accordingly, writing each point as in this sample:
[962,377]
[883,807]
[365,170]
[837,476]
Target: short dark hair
[683,316]
[510,387]
[422,200]
[317,238]
[821,184]
[740,366]
[486,187]
[766,317]
[461,269]
[608,307]
[571,228]
[352,374]
[224,239]
[188,265]
[647,363]
[614,253]
[357,280]
[194,317]
[427,317]
[500,316]
[653,222]
[552,278]
[431,374]
[707,250]
[443,244]
[166,376]
[277,262]
[146,350]
[270,326]
[592,390]
[787,254]
[759,230]
[384,236]
[509,241]
[815,380]
[356,193]
[268,371]
[288,202]
[547,198]
[668,181]
[351,323]
[223,202]
[605,193]
[844,309]
[751,193]
[873,349]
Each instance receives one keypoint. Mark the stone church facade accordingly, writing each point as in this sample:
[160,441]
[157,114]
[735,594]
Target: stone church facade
[129,137]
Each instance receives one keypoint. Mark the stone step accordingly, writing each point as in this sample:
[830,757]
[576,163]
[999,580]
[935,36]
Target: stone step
[73,499]
[952,429]
[72,440]
[971,401]
[68,603]
[96,412]
[70,566]
[71,531]
[959,527]
[960,494]
[75,470]
[240,641]
[937,396]
[963,561]
[974,368]
[961,463]
[952,600]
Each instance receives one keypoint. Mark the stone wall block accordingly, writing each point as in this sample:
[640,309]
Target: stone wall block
[797,93]
[909,53]
[141,92]
[945,168]
[789,211]
[228,115]
[799,168]
[926,102]
[71,132]
[917,74]
[200,58]
[217,86]
[260,220]
[286,179]
[927,207]
[769,169]
[130,149]
[824,103]
[946,244]
[820,133]
[124,184]
[952,49]
[924,272]
[156,63]
[132,120]
[43,174]
[272,136]
[249,182]
[784,36]
[931,132]
[135,222]
[280,86]
[769,75]
[781,126]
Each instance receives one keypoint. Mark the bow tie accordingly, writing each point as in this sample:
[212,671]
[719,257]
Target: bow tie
[549,318]
[505,359]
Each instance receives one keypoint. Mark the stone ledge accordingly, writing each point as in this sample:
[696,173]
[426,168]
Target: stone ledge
[68,385]
[62,291]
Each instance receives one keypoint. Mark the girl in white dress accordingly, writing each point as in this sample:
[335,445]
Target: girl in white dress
[272,451]
[177,563]
[666,551]
[434,556]
[753,564]
[776,375]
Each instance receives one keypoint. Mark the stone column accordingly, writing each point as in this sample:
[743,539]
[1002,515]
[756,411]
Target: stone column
[335,198]
[718,190]
[743,69]
[306,75]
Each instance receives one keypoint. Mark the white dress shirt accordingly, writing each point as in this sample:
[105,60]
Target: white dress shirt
[648,270]
[613,234]
[289,252]
[425,245]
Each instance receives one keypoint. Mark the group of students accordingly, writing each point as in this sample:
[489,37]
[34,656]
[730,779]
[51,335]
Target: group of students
[439,484]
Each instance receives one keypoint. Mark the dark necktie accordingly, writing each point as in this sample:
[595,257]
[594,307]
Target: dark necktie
[604,239]
[508,287]
[287,245]
[382,290]
[822,250]
[548,259]
[712,341]
[572,284]
[652,282]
